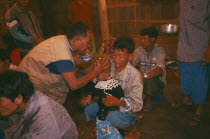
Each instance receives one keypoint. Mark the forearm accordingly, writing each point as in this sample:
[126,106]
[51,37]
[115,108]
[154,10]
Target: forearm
[121,103]
[154,73]
[76,83]
[20,36]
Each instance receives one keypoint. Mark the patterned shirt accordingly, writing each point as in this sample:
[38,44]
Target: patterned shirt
[43,119]
[150,62]
[193,29]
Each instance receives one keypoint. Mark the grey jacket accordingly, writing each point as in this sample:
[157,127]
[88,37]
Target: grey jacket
[43,119]
[132,85]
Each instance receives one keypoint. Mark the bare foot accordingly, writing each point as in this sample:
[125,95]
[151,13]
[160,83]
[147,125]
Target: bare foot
[187,101]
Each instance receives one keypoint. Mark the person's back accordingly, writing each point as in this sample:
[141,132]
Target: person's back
[36,62]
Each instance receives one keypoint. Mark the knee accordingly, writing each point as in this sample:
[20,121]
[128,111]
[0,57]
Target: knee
[92,108]
[120,119]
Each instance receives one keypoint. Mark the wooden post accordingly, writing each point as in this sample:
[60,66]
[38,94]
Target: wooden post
[103,19]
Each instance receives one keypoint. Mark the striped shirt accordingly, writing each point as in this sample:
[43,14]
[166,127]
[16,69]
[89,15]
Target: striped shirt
[193,29]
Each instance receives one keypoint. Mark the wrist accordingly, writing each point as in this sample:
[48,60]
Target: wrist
[145,75]
[93,75]
[121,103]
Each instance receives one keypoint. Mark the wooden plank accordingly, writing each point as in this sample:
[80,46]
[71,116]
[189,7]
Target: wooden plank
[160,21]
[103,19]
[129,4]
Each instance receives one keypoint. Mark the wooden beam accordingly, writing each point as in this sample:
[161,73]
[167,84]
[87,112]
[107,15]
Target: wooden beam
[127,4]
[158,21]
[103,19]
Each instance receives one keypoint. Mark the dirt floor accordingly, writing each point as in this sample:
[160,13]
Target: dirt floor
[164,121]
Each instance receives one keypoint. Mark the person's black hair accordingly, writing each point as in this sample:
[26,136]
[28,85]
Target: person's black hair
[4,55]
[14,83]
[77,29]
[124,43]
[151,32]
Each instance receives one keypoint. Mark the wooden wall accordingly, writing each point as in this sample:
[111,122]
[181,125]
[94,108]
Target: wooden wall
[130,16]
[126,17]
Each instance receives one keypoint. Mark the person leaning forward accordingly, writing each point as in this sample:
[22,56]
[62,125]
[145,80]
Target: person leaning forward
[50,64]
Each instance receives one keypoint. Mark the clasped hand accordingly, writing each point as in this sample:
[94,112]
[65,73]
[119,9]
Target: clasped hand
[110,101]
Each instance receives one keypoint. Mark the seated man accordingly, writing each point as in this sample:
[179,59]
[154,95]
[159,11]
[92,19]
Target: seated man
[131,83]
[40,116]
[150,59]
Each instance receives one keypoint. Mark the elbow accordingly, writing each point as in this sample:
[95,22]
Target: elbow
[74,87]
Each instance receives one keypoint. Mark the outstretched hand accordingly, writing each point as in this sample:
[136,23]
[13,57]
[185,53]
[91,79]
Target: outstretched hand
[111,101]
[101,65]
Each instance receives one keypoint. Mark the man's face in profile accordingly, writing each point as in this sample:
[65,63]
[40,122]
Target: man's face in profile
[7,107]
[84,42]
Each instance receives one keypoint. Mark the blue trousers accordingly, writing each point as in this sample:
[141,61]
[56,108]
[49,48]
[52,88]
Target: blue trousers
[195,81]
[117,117]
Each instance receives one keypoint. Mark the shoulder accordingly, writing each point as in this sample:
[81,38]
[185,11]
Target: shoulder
[60,40]
[160,49]
[132,70]
[138,49]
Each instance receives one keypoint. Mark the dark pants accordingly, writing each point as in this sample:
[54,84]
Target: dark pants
[153,86]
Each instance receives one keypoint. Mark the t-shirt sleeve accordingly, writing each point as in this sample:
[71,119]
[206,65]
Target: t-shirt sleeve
[61,66]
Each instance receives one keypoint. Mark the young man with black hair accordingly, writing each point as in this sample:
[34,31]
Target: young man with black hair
[131,82]
[50,64]
[40,116]
[150,60]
